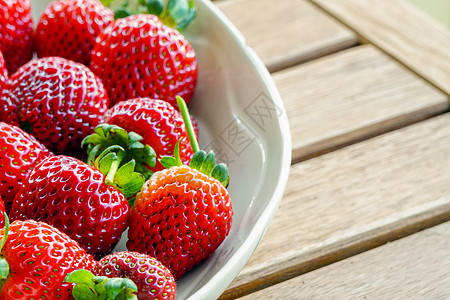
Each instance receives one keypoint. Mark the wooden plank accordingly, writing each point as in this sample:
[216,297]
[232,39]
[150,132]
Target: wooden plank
[353,199]
[349,96]
[401,30]
[288,32]
[416,267]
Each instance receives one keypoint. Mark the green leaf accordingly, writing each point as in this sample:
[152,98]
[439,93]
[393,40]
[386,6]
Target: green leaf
[133,186]
[155,7]
[168,161]
[115,285]
[208,164]
[80,277]
[104,165]
[4,269]
[124,173]
[220,172]
[197,159]
[83,292]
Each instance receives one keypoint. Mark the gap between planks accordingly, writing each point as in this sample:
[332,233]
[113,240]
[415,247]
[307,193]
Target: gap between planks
[352,200]
[351,96]
[416,267]
[289,33]
[401,30]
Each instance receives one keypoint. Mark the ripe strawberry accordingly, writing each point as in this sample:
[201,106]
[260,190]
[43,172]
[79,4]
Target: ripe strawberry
[152,278]
[39,257]
[138,56]
[16,32]
[56,100]
[183,213]
[2,213]
[19,153]
[3,73]
[68,28]
[72,196]
[89,203]
[157,121]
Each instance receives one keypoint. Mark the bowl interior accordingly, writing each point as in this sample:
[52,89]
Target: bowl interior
[241,118]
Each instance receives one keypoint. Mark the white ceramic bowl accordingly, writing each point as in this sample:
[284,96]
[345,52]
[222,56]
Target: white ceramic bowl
[242,118]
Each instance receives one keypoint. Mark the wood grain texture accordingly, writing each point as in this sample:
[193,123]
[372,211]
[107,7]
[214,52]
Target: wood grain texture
[401,30]
[288,32]
[350,96]
[351,200]
[416,267]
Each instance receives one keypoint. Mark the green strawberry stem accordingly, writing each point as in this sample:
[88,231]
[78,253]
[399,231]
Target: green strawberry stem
[205,163]
[174,13]
[88,286]
[121,157]
[4,266]
[182,106]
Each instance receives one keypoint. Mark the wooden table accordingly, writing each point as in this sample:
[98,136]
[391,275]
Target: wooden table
[366,213]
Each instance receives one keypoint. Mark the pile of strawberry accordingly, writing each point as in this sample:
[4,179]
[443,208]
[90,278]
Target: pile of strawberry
[95,139]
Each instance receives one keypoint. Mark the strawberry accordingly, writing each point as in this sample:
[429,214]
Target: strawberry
[16,32]
[139,56]
[56,100]
[68,28]
[3,73]
[19,153]
[38,257]
[152,278]
[2,213]
[157,121]
[89,203]
[182,214]
[73,197]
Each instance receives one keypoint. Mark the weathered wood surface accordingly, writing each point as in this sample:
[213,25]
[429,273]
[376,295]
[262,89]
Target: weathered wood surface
[400,30]
[286,32]
[350,96]
[351,200]
[416,267]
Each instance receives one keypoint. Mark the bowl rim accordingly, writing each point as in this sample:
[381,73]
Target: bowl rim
[237,261]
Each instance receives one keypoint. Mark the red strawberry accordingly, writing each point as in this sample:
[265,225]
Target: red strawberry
[2,213]
[3,73]
[39,257]
[158,122]
[19,153]
[183,213]
[89,203]
[68,28]
[16,32]
[138,56]
[56,100]
[152,278]
[73,197]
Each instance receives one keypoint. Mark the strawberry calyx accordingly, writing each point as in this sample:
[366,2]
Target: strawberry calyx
[205,163]
[121,157]
[88,286]
[4,266]
[174,13]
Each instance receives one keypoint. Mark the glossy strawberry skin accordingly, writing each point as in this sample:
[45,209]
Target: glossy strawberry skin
[3,73]
[138,56]
[153,279]
[19,153]
[56,100]
[16,32]
[72,196]
[180,217]
[157,121]
[2,213]
[39,257]
[68,28]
